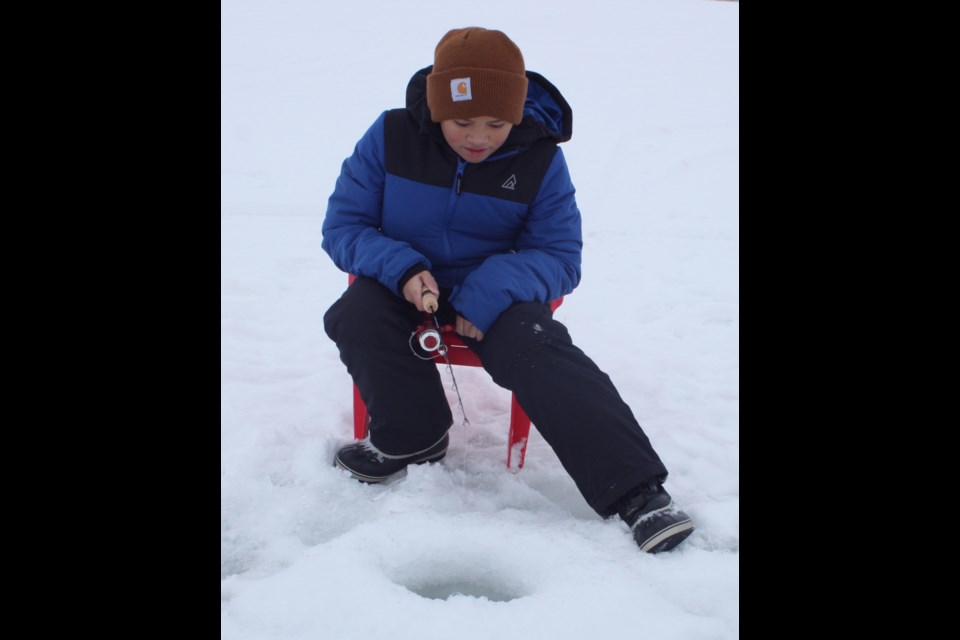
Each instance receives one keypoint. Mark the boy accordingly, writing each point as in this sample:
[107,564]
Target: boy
[465,195]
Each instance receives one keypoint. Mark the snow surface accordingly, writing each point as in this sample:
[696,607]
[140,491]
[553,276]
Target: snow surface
[465,549]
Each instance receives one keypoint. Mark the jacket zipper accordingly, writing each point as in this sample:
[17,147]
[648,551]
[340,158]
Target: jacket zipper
[452,207]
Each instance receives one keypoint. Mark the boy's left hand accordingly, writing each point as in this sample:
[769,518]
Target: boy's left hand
[466,328]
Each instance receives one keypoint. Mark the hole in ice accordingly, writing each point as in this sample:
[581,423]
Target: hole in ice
[448,577]
[445,589]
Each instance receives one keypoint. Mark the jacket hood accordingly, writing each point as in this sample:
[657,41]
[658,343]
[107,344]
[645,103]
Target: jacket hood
[546,113]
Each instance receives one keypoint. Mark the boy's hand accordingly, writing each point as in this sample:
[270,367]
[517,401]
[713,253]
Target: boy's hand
[466,328]
[416,286]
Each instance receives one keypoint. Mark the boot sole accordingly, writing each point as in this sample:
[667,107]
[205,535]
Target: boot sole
[668,538]
[378,479]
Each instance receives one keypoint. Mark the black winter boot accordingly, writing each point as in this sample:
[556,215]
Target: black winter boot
[657,524]
[366,463]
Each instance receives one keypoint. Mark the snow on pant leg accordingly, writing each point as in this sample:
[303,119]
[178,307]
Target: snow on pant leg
[404,394]
[573,404]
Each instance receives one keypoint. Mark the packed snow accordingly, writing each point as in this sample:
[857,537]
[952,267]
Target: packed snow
[465,548]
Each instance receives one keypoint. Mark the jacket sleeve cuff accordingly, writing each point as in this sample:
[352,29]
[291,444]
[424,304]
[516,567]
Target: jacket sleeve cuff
[409,273]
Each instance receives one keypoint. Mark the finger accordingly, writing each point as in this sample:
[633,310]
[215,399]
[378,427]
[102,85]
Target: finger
[429,301]
[411,293]
[429,282]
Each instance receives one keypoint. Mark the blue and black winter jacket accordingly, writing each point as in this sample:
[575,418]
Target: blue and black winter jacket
[500,231]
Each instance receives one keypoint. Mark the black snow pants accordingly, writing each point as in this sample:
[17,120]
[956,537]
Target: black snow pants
[572,403]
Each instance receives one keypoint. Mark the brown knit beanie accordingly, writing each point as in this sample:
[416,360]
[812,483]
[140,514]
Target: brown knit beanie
[477,72]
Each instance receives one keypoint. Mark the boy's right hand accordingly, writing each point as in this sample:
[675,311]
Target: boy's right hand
[416,286]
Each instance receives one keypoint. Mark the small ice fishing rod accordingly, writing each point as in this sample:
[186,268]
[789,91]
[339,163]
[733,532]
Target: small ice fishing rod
[431,340]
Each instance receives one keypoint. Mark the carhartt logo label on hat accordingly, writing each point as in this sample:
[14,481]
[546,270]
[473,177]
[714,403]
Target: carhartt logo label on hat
[460,89]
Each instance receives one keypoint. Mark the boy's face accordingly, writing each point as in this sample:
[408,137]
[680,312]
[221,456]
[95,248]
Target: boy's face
[476,139]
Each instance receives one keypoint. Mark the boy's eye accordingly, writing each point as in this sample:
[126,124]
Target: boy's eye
[461,124]
[496,125]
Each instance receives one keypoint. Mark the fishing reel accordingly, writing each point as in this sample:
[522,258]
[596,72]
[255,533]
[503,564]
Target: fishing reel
[429,339]
[429,336]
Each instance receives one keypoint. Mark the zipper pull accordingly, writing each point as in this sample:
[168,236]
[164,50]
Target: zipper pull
[461,164]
